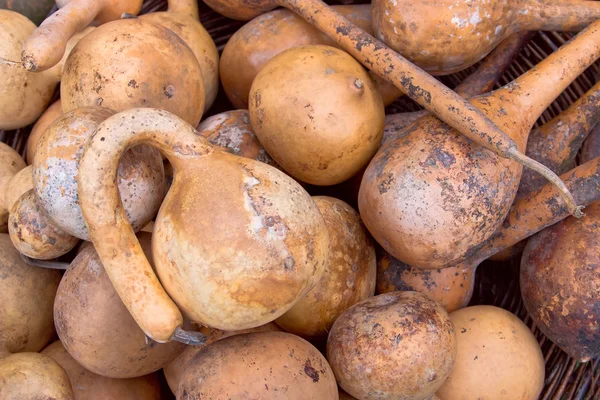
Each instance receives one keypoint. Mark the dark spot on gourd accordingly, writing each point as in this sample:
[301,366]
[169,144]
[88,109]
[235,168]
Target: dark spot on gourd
[311,372]
[288,263]
[169,91]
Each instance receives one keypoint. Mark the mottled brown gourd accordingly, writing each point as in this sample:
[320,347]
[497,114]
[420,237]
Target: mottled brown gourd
[33,376]
[182,18]
[560,283]
[264,365]
[130,63]
[497,357]
[481,81]
[175,369]
[443,37]
[104,339]
[26,294]
[47,44]
[398,345]
[10,164]
[48,117]
[349,275]
[87,385]
[331,104]
[267,35]
[234,248]
[141,177]
[410,79]
[591,146]
[431,197]
[232,131]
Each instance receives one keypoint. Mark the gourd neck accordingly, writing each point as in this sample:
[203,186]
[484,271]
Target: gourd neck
[535,90]
[562,15]
[186,7]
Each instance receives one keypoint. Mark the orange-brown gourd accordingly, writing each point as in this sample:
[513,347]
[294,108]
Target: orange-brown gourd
[267,35]
[349,275]
[48,117]
[175,369]
[182,18]
[96,328]
[26,294]
[34,234]
[20,183]
[264,365]
[560,283]
[33,376]
[10,163]
[134,63]
[141,177]
[232,131]
[87,385]
[391,346]
[333,119]
[443,37]
[47,44]
[236,242]
[432,196]
[497,357]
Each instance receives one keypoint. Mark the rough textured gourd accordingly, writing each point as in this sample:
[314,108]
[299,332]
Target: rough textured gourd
[105,340]
[445,37]
[141,177]
[25,94]
[265,365]
[560,283]
[391,346]
[48,117]
[26,294]
[432,196]
[174,370]
[10,164]
[591,146]
[497,357]
[234,248]
[47,44]
[131,63]
[33,233]
[182,18]
[267,35]
[349,275]
[36,11]
[87,385]
[33,376]
[232,131]
[331,104]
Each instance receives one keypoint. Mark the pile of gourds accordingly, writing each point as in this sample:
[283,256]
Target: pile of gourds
[195,245]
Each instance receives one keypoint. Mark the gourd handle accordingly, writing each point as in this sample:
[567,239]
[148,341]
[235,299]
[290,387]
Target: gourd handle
[114,239]
[187,7]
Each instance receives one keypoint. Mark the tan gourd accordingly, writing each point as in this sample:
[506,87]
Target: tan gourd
[47,44]
[398,345]
[87,385]
[267,35]
[48,117]
[96,328]
[349,275]
[232,131]
[134,63]
[413,81]
[26,294]
[182,18]
[331,104]
[10,164]
[431,196]
[497,357]
[141,177]
[264,365]
[443,37]
[25,94]
[175,369]
[19,184]
[34,234]
[236,242]
[33,376]
[560,281]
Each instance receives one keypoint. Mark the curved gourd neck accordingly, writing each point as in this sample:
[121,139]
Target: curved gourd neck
[187,7]
[562,15]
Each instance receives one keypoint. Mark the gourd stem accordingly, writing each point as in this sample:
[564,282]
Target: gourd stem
[564,16]
[187,7]
[44,264]
[567,197]
[11,63]
[188,337]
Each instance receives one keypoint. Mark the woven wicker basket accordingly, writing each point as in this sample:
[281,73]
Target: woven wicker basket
[496,283]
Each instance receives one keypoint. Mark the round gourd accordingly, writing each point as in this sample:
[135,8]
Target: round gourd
[48,117]
[18,185]
[10,163]
[317,97]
